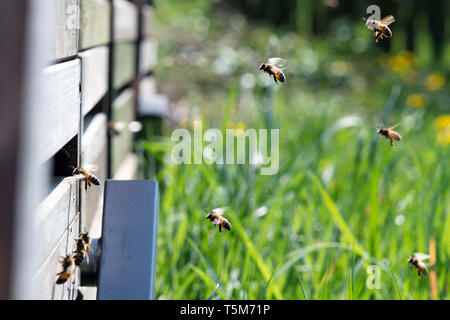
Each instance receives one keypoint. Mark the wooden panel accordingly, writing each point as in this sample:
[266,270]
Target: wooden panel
[124,64]
[45,277]
[66,24]
[94,152]
[60,117]
[56,225]
[54,215]
[128,169]
[94,77]
[125,21]
[95,23]
[128,259]
[121,144]
[147,21]
[148,56]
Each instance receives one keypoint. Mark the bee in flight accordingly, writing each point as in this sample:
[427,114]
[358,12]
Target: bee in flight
[390,134]
[215,216]
[417,262]
[380,27]
[68,265]
[89,178]
[116,128]
[273,69]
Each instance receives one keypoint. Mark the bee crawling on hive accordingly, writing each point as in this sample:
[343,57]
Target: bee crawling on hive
[88,177]
[390,134]
[83,247]
[416,261]
[380,27]
[215,216]
[68,266]
[273,68]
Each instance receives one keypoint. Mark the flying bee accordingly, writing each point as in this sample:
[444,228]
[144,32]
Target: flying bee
[68,265]
[418,264]
[390,134]
[380,27]
[273,69]
[116,128]
[89,178]
[215,216]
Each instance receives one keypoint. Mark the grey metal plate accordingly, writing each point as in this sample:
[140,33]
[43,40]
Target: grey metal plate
[128,242]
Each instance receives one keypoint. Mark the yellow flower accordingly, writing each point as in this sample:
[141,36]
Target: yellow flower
[435,81]
[416,101]
[239,127]
[442,122]
[444,136]
[402,63]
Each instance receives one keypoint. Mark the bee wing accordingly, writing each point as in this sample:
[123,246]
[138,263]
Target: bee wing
[278,62]
[372,24]
[388,20]
[394,126]
[219,211]
[421,256]
[135,126]
[91,167]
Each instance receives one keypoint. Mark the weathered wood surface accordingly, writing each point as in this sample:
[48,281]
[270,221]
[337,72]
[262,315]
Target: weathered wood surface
[60,117]
[56,225]
[147,21]
[148,56]
[122,144]
[125,21]
[128,169]
[94,84]
[66,24]
[94,153]
[95,23]
[124,64]
[46,276]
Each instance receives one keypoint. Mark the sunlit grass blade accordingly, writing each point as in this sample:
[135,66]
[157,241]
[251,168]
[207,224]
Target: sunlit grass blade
[255,256]
[206,279]
[270,279]
[338,219]
[300,281]
[214,292]
[396,285]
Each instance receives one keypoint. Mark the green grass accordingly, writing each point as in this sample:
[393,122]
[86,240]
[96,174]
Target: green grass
[332,207]
[346,221]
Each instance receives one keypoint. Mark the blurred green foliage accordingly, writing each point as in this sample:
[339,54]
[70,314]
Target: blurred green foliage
[343,199]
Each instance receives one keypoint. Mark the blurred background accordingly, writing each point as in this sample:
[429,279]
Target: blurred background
[345,210]
[343,199]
